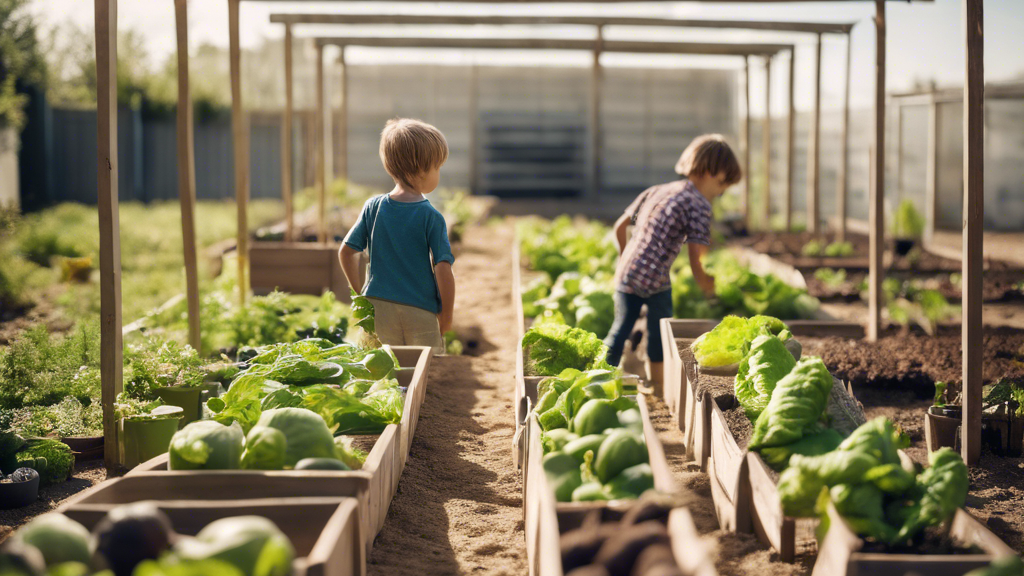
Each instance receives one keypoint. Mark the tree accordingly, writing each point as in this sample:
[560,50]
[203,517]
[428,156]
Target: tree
[21,61]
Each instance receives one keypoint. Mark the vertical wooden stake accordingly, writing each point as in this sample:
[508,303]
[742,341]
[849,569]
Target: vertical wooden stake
[745,141]
[844,150]
[876,203]
[240,141]
[286,139]
[343,121]
[932,170]
[813,212]
[321,193]
[974,221]
[790,144]
[767,144]
[595,116]
[474,113]
[110,238]
[899,151]
[187,175]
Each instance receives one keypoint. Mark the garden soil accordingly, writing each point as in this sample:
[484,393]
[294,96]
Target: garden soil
[86,475]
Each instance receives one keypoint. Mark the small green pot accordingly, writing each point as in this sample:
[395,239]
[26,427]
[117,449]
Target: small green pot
[145,437]
[186,398]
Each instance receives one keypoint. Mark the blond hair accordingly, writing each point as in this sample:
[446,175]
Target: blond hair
[709,155]
[410,147]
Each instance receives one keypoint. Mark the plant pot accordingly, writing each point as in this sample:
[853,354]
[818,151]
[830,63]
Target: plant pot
[85,447]
[940,431]
[145,437]
[903,246]
[19,494]
[188,399]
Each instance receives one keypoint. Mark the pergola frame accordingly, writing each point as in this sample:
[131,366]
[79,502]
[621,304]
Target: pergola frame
[817,28]
[973,154]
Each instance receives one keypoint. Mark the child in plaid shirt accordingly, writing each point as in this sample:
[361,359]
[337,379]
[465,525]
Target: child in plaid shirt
[665,217]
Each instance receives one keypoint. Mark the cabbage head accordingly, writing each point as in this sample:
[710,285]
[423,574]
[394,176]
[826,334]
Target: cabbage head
[207,445]
[253,544]
[305,432]
[59,538]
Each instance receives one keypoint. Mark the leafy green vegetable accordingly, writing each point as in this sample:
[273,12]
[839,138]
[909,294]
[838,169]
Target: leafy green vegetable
[348,414]
[839,250]
[631,482]
[595,417]
[943,489]
[53,460]
[305,434]
[812,248]
[729,341]
[265,449]
[252,544]
[350,455]
[796,405]
[552,348]
[1006,566]
[564,245]
[812,444]
[555,439]
[908,222]
[363,313]
[563,474]
[619,451]
[767,362]
[206,445]
[59,539]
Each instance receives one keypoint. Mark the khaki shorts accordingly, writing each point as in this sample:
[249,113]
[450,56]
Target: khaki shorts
[401,325]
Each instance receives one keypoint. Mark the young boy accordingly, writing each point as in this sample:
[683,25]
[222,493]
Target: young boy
[665,217]
[410,282]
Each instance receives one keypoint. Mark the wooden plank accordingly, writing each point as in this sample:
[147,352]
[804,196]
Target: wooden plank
[415,383]
[594,120]
[899,151]
[813,147]
[844,160]
[974,226]
[931,186]
[474,118]
[343,119]
[790,142]
[745,142]
[187,174]
[240,144]
[766,139]
[628,46]
[876,202]
[286,138]
[531,2]
[111,345]
[814,27]
[321,163]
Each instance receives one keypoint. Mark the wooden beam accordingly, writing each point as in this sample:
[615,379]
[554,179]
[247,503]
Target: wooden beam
[187,175]
[110,236]
[343,119]
[899,152]
[745,142]
[627,46]
[974,222]
[433,19]
[876,203]
[844,150]
[813,152]
[286,139]
[240,143]
[766,139]
[321,164]
[790,143]
[474,117]
[531,2]
[931,191]
[595,117]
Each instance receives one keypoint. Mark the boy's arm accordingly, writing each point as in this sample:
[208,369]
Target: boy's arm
[349,259]
[446,286]
[621,227]
[704,280]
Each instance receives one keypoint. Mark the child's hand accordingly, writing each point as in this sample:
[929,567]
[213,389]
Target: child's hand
[707,284]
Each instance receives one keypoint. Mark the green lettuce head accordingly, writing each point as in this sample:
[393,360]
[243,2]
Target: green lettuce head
[207,445]
[305,432]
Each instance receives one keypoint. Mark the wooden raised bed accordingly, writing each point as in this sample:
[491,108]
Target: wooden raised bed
[415,363]
[840,552]
[298,268]
[546,519]
[325,531]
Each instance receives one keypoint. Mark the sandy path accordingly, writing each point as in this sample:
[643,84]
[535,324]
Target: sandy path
[459,509]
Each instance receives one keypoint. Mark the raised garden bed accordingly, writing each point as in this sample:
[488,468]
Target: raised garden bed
[546,519]
[297,267]
[325,531]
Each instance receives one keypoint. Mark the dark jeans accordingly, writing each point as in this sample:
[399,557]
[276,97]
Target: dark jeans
[627,311]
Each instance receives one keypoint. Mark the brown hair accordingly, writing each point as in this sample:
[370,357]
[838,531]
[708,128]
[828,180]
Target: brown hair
[410,147]
[709,154]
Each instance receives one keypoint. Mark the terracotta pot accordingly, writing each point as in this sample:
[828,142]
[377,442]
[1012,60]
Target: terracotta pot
[940,430]
[85,447]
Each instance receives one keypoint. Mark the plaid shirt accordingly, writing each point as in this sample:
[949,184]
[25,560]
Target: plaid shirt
[665,217]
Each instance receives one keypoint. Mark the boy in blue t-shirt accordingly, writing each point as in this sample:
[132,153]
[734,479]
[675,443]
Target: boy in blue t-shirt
[410,281]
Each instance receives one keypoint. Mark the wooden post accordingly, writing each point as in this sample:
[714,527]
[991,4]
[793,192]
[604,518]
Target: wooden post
[240,142]
[343,120]
[474,113]
[286,139]
[110,239]
[844,150]
[813,212]
[790,144]
[899,151]
[595,116]
[974,203]
[766,138]
[876,203]
[745,141]
[931,193]
[187,175]
[321,164]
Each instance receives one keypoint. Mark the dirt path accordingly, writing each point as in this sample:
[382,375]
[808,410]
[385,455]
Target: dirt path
[459,509]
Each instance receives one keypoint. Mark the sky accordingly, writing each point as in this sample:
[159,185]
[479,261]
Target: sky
[924,40]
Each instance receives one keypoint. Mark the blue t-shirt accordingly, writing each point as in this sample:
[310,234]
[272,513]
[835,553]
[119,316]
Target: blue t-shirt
[400,238]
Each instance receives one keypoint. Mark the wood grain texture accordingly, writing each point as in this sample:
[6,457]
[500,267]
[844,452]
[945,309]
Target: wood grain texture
[342,161]
[111,345]
[745,142]
[321,163]
[790,143]
[766,144]
[842,176]
[286,138]
[974,223]
[876,195]
[931,185]
[240,144]
[474,118]
[187,174]
[594,110]
[630,46]
[813,147]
